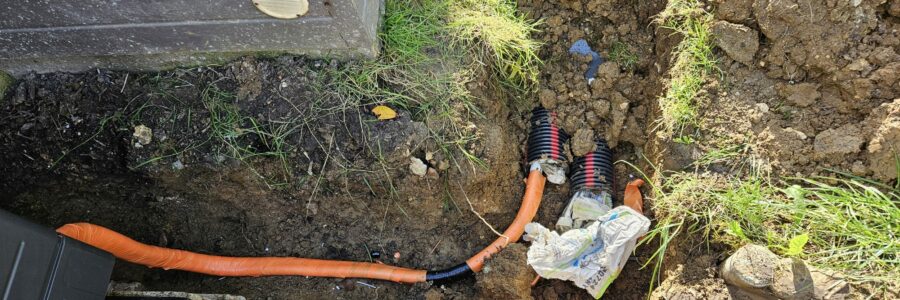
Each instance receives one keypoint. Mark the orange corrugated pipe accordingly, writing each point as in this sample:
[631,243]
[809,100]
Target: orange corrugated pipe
[133,251]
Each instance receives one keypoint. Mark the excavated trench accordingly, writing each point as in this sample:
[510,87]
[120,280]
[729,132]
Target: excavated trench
[337,185]
[340,187]
[204,201]
[318,176]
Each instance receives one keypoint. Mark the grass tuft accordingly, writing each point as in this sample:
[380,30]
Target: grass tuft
[502,33]
[430,51]
[621,54]
[850,222]
[693,64]
[245,138]
[411,29]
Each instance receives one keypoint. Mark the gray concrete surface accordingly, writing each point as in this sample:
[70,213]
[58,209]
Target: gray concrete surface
[78,35]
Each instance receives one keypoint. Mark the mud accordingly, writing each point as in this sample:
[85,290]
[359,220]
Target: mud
[616,104]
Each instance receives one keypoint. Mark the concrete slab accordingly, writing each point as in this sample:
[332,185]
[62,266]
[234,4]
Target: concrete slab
[77,35]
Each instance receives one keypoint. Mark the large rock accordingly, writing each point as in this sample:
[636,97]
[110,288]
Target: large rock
[751,267]
[739,41]
[758,273]
[795,280]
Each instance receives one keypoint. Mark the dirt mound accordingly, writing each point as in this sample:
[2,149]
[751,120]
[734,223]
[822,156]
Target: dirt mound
[506,276]
[808,99]
[615,104]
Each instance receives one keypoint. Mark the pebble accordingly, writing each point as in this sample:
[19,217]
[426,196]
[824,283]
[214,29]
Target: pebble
[143,134]
[417,167]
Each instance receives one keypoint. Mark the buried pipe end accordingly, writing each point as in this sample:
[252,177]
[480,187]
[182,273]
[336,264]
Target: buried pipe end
[592,183]
[594,171]
[545,145]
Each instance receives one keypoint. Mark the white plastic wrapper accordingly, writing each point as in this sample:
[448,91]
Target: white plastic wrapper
[584,208]
[591,257]
[554,170]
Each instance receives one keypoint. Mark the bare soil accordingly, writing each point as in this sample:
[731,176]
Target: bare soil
[70,154]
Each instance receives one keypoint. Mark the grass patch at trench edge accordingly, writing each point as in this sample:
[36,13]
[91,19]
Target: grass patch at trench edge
[431,49]
[850,222]
[693,63]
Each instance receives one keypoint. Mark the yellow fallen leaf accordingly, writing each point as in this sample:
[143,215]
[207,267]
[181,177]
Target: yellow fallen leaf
[384,112]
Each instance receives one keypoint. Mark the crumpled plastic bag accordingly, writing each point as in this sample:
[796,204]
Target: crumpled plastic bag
[591,257]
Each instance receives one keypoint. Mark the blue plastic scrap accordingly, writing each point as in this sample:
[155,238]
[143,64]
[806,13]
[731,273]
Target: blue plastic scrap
[581,47]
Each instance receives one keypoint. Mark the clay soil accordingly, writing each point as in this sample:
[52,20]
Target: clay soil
[336,183]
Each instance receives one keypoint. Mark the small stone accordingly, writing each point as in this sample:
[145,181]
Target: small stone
[548,98]
[797,133]
[859,65]
[143,134]
[859,168]
[739,41]
[417,167]
[443,165]
[762,107]
[583,142]
[843,140]
[894,8]
[177,165]
[432,173]
[801,94]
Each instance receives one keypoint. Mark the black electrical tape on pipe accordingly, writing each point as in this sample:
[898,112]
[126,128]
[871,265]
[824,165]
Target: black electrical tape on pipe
[449,275]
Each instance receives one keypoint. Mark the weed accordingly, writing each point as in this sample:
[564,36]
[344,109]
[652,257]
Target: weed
[245,138]
[103,122]
[6,81]
[724,154]
[693,63]
[410,28]
[621,54]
